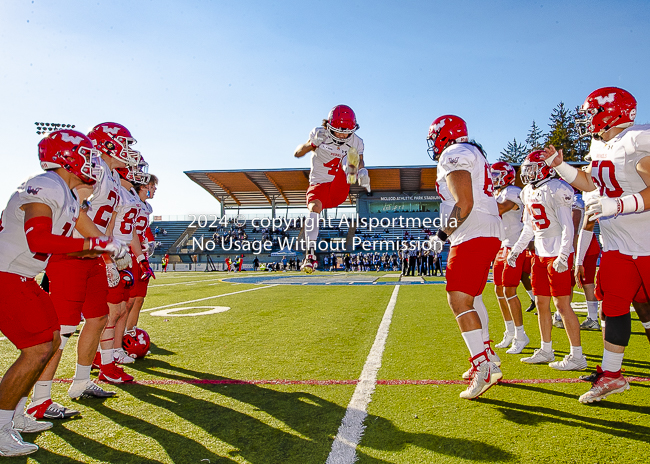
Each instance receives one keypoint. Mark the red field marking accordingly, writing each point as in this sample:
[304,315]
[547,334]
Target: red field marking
[343,382]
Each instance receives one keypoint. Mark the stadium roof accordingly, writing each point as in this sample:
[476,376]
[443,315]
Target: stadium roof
[259,187]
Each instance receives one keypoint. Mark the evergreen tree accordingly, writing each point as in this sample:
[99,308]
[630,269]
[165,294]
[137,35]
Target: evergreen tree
[562,130]
[535,138]
[581,143]
[515,152]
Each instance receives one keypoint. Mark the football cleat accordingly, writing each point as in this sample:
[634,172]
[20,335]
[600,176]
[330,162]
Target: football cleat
[112,373]
[606,384]
[557,321]
[589,377]
[539,357]
[27,424]
[531,307]
[97,362]
[483,376]
[48,409]
[507,339]
[309,264]
[590,324]
[570,363]
[88,389]
[12,444]
[518,345]
[492,356]
[120,357]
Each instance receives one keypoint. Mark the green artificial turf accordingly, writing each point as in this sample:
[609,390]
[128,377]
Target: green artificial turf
[317,333]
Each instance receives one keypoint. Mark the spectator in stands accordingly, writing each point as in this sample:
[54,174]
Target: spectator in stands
[164,232]
[156,231]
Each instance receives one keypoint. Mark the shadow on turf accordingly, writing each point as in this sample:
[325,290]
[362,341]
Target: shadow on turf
[304,433]
[534,414]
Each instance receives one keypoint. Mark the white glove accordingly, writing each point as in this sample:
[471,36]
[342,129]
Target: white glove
[364,178]
[124,262]
[318,136]
[561,263]
[511,259]
[352,165]
[436,243]
[111,245]
[112,275]
[145,246]
[601,206]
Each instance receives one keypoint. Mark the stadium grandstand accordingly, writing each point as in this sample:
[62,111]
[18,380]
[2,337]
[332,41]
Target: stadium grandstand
[249,200]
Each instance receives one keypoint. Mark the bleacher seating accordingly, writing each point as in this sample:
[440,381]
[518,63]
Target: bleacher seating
[174,230]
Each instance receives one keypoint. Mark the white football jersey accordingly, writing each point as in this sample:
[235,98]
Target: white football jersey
[483,220]
[548,210]
[578,205]
[128,210]
[328,158]
[613,170]
[512,220]
[106,195]
[142,221]
[47,188]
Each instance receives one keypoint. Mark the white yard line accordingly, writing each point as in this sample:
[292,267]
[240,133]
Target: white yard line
[207,298]
[344,448]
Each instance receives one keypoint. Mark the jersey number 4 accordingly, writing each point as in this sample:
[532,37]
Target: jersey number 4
[333,166]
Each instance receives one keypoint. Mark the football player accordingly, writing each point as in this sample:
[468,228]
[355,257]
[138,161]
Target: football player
[134,264]
[548,217]
[146,189]
[336,162]
[38,222]
[470,219]
[620,170]
[507,278]
[81,285]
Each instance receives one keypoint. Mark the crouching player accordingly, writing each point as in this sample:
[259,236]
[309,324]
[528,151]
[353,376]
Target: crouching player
[38,222]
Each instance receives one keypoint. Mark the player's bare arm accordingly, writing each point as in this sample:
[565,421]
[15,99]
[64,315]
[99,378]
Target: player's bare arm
[460,187]
[506,206]
[643,168]
[303,149]
[579,179]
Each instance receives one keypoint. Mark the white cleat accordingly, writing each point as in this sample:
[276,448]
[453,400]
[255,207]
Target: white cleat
[121,357]
[483,377]
[539,357]
[27,424]
[518,345]
[570,363]
[12,444]
[507,339]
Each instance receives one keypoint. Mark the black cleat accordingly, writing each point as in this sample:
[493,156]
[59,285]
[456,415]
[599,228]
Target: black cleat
[531,307]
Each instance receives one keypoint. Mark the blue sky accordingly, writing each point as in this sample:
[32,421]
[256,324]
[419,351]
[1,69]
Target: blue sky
[239,84]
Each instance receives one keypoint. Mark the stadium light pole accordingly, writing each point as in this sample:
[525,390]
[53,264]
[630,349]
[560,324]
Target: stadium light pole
[44,128]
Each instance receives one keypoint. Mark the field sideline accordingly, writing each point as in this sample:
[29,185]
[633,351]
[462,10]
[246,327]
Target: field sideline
[246,369]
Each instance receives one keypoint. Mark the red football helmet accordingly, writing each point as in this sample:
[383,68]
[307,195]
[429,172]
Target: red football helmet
[115,140]
[139,174]
[534,168]
[136,343]
[502,174]
[342,120]
[72,151]
[445,129]
[606,108]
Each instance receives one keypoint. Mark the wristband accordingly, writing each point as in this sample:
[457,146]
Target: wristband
[567,172]
[631,204]
[141,258]
[441,235]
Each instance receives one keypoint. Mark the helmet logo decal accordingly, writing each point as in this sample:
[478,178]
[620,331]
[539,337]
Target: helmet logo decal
[439,126]
[633,114]
[111,130]
[71,138]
[607,99]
